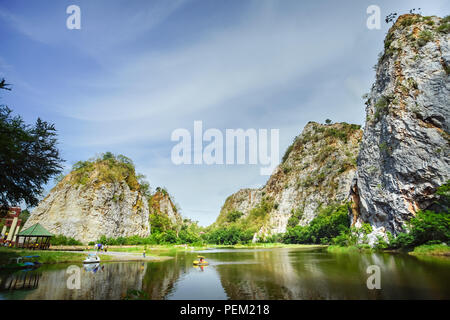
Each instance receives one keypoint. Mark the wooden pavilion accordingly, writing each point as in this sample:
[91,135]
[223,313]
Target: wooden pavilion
[35,237]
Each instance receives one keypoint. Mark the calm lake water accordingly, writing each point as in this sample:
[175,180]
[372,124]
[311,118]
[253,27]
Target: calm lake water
[243,274]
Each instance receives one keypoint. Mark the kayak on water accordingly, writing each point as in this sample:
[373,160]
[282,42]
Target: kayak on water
[201,261]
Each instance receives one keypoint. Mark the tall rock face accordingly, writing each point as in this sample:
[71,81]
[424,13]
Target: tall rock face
[317,171]
[162,204]
[97,198]
[404,155]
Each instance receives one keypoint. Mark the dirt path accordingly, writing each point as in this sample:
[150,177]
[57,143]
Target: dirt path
[125,256]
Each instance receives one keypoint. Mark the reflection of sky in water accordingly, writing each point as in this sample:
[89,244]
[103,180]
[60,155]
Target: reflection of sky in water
[249,274]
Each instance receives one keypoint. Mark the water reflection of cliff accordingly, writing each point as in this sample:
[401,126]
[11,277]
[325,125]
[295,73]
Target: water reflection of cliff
[110,282]
[241,274]
[160,278]
[258,275]
[20,280]
[286,275]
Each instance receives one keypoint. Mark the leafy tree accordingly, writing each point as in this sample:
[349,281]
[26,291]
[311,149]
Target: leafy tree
[429,226]
[28,157]
[229,235]
[234,216]
[60,240]
[331,222]
[24,215]
[160,222]
[108,156]
[144,185]
[295,218]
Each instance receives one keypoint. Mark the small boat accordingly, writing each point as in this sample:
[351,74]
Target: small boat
[23,263]
[92,267]
[92,258]
[201,262]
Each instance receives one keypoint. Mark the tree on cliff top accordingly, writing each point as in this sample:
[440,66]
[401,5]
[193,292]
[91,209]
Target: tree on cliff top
[28,158]
[110,168]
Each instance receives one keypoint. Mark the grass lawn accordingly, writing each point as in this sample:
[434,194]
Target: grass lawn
[46,257]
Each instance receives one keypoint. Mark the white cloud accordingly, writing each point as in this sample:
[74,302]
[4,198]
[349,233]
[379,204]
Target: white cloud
[277,64]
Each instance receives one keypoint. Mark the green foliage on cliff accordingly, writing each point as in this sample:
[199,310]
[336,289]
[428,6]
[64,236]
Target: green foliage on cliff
[329,223]
[382,107]
[109,168]
[236,228]
[340,131]
[160,223]
[234,215]
[295,218]
[410,20]
[425,36]
[427,227]
[252,222]
[445,25]
[287,152]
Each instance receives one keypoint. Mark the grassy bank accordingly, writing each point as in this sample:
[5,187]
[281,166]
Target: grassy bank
[267,245]
[347,249]
[46,257]
[423,250]
[53,257]
[432,250]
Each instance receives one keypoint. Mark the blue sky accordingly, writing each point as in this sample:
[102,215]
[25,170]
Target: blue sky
[137,70]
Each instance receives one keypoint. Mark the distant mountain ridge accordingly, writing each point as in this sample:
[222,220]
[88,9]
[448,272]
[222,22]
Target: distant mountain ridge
[317,171]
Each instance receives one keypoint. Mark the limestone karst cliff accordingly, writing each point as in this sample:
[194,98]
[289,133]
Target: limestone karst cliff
[317,170]
[99,197]
[161,204]
[404,155]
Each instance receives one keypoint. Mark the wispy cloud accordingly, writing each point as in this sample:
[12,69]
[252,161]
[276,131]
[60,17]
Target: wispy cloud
[139,69]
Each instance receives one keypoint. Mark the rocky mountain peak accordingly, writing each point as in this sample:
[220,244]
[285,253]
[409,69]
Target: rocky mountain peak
[99,197]
[317,170]
[404,155]
[162,204]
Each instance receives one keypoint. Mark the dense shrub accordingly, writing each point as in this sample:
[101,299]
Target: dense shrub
[229,235]
[160,222]
[331,222]
[287,152]
[109,168]
[234,216]
[187,234]
[295,218]
[428,226]
[60,240]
